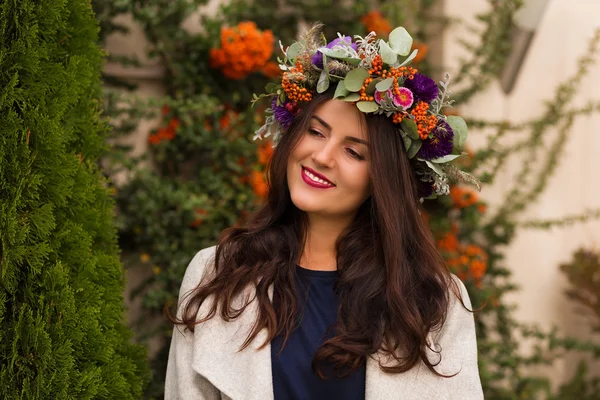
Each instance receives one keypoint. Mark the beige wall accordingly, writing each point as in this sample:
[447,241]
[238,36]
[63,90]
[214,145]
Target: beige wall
[534,256]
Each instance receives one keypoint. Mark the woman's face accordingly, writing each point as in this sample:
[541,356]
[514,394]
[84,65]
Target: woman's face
[328,170]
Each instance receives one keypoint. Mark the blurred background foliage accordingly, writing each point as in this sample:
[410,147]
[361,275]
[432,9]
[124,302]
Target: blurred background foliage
[202,173]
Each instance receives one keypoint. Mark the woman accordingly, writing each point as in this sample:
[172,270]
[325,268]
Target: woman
[335,289]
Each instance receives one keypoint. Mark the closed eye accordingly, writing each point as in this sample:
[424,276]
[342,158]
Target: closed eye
[354,154]
[315,132]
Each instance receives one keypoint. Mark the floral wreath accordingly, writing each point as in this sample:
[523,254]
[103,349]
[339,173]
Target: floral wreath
[375,76]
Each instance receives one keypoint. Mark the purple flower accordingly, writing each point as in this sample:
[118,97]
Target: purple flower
[423,87]
[425,189]
[317,58]
[439,142]
[283,113]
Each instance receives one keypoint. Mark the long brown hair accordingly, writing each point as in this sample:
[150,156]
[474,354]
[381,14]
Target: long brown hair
[393,284]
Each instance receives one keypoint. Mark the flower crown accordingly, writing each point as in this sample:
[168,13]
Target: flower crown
[374,75]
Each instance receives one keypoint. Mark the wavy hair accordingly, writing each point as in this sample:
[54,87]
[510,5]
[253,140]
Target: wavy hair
[393,285]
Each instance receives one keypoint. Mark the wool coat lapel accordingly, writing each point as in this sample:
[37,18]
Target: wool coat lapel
[207,365]
[247,374]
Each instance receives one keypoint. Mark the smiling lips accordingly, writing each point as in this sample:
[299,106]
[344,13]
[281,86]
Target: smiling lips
[314,179]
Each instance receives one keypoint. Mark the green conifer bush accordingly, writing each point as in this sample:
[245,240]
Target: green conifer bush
[61,309]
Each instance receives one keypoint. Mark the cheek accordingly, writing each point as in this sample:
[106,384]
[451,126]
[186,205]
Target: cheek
[359,180]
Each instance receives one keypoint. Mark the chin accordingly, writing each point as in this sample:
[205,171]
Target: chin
[306,203]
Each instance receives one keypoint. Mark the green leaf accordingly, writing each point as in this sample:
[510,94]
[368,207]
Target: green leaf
[367,106]
[293,50]
[271,87]
[355,79]
[370,90]
[409,58]
[414,148]
[341,91]
[400,41]
[410,128]
[445,159]
[323,83]
[434,167]
[460,129]
[385,84]
[352,97]
[340,55]
[388,55]
[407,142]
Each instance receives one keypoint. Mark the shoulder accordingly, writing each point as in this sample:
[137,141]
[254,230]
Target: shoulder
[455,341]
[458,296]
[459,311]
[199,267]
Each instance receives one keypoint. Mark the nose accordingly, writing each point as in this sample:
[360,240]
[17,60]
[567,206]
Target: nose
[325,155]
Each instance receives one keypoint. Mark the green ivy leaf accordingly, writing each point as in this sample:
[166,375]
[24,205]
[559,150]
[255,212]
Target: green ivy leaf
[341,91]
[385,84]
[460,129]
[400,41]
[367,106]
[352,97]
[388,55]
[355,79]
[410,128]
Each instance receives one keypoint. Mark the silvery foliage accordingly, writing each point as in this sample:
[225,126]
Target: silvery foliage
[271,127]
[440,182]
[368,48]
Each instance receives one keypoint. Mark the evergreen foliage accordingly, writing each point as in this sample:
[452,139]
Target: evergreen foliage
[203,168]
[61,281]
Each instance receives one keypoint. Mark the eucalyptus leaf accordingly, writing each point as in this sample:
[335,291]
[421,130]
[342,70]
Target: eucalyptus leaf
[446,159]
[410,128]
[367,106]
[434,167]
[323,83]
[339,55]
[341,91]
[409,58]
[270,87]
[459,127]
[355,79]
[385,84]
[388,55]
[401,41]
[407,142]
[370,90]
[414,148]
[292,51]
[352,97]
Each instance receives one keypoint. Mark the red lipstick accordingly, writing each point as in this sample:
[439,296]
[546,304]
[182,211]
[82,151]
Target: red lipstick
[312,183]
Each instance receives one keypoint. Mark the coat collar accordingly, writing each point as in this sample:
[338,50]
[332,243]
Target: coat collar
[247,374]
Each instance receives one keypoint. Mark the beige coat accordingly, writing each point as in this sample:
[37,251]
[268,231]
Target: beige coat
[207,365]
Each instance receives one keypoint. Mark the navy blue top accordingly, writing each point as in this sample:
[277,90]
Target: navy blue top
[293,376]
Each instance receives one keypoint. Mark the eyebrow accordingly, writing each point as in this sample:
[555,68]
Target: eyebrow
[349,138]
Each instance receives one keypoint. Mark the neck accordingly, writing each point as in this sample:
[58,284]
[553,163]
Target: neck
[319,250]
